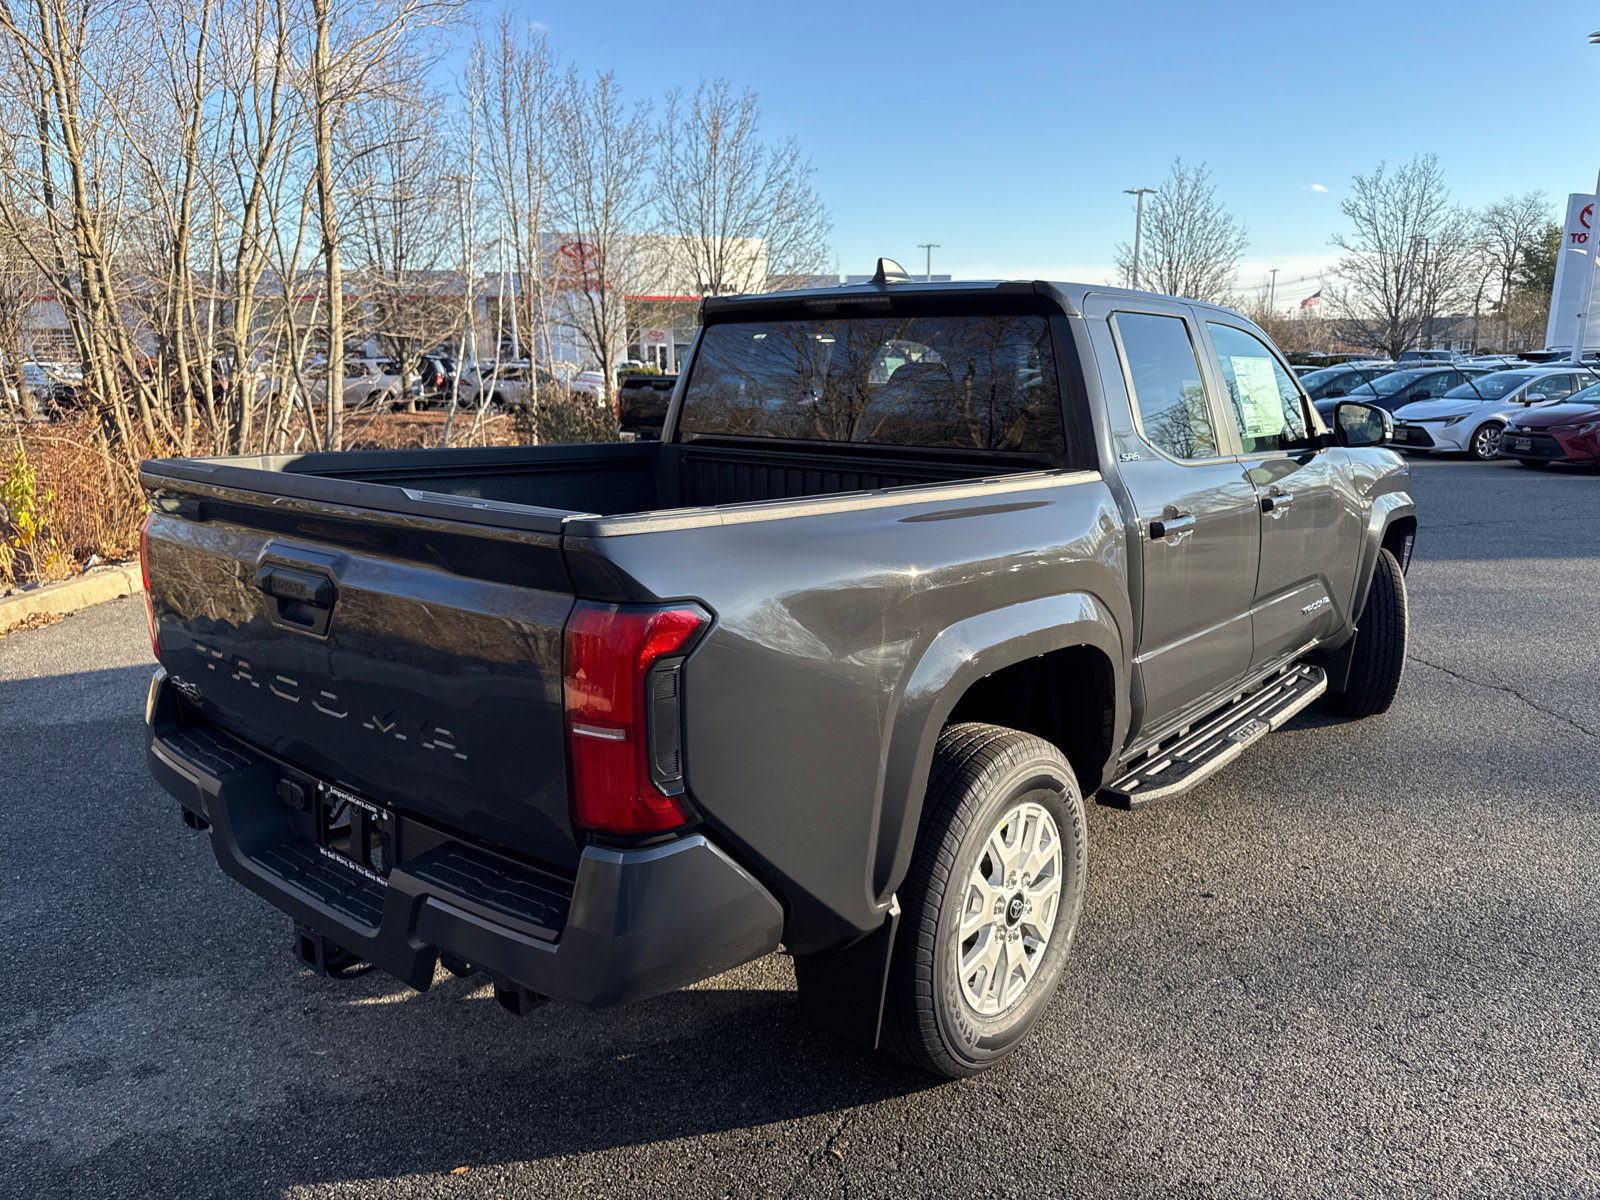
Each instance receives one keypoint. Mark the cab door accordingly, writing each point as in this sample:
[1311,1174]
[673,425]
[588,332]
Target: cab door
[1310,518]
[1195,529]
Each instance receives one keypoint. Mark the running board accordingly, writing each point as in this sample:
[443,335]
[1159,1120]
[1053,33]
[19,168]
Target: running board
[1200,752]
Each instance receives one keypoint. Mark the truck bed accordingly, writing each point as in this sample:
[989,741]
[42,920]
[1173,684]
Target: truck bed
[605,479]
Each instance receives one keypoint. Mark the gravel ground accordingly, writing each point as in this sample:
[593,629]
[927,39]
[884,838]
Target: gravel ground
[1362,961]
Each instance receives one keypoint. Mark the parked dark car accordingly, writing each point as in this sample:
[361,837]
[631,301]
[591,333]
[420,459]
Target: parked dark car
[915,568]
[642,402]
[1567,432]
[1333,383]
[1400,387]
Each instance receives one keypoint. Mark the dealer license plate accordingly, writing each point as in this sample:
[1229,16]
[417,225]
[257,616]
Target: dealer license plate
[1521,443]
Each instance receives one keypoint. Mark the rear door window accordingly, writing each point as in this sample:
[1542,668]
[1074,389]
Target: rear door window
[1169,394]
[1553,387]
[1266,403]
[949,382]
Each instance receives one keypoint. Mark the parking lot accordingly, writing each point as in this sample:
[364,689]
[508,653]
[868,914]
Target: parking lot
[1364,960]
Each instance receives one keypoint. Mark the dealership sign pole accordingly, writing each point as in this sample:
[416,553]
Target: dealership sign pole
[1586,294]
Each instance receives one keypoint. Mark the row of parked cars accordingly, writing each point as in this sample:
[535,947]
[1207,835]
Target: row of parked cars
[49,384]
[1536,413]
[435,379]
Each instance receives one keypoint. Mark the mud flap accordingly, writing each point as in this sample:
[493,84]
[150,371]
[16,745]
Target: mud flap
[843,993]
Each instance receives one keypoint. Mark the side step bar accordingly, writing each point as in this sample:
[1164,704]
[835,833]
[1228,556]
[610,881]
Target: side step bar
[1173,769]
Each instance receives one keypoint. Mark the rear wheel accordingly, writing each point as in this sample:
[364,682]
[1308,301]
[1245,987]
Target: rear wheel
[991,902]
[1379,658]
[1485,441]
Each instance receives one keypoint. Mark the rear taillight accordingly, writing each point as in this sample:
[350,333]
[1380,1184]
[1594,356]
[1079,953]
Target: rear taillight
[622,685]
[144,575]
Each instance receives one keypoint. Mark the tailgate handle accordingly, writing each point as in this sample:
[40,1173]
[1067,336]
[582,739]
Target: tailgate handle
[300,600]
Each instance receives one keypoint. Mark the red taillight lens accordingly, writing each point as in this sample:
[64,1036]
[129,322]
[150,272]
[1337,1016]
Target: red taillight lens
[144,575]
[609,653]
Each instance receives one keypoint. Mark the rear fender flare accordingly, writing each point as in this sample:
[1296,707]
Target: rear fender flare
[959,656]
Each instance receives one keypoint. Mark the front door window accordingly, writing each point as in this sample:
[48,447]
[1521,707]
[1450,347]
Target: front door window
[1266,401]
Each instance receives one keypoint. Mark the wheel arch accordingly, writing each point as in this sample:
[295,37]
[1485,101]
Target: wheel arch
[1391,526]
[1057,643]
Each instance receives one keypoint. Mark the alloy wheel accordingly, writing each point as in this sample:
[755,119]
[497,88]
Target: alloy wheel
[1486,442]
[1010,909]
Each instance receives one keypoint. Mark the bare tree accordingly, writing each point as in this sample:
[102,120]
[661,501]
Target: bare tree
[68,71]
[743,210]
[403,240]
[252,179]
[1407,259]
[355,45]
[602,195]
[1191,243]
[520,118]
[1509,231]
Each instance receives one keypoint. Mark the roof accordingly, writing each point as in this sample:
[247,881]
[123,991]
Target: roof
[1068,297]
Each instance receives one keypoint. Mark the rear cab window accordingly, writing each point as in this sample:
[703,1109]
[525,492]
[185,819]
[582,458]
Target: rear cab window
[954,382]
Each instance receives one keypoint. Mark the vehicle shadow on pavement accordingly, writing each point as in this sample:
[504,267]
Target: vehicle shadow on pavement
[229,1084]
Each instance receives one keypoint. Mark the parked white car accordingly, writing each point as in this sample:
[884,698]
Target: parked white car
[588,383]
[1471,417]
[367,381]
[508,384]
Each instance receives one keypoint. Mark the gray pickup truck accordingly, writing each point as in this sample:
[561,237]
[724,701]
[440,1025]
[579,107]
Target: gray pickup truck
[913,570]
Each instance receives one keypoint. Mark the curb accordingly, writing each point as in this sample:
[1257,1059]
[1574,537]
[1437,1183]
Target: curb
[96,586]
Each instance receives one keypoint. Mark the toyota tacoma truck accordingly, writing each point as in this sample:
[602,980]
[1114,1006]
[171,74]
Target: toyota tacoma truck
[913,570]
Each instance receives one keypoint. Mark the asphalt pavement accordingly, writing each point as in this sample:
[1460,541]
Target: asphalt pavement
[1362,961]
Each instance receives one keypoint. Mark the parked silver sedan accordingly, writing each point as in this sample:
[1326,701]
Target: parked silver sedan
[1471,417]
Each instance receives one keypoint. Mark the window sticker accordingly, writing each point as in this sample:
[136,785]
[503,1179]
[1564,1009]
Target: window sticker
[1260,409]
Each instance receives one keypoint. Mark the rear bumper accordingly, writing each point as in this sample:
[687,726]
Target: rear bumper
[631,924]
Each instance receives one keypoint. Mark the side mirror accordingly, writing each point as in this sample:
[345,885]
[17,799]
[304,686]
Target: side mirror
[1356,425]
[1534,398]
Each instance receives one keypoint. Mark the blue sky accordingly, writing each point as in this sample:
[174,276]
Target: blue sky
[1007,131]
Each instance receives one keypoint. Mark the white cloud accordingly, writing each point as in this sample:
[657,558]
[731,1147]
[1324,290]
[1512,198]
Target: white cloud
[1317,187]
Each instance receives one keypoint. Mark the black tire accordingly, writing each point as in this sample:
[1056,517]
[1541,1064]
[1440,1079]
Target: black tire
[1536,463]
[1379,658]
[1484,444]
[980,774]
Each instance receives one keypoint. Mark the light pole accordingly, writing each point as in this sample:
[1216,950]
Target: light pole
[1272,293]
[930,247]
[1138,228]
[1587,293]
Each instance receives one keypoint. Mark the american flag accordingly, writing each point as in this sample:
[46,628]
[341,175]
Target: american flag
[1314,299]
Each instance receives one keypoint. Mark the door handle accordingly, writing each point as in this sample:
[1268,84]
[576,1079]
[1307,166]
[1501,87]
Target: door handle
[1177,528]
[1277,503]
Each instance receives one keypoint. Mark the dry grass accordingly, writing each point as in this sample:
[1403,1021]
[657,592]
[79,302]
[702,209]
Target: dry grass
[65,497]
[425,430]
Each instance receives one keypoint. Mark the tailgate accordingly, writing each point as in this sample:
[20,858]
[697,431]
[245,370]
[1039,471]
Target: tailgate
[416,662]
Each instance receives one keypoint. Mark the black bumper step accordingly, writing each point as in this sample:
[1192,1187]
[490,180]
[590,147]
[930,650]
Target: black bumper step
[1203,750]
[338,887]
[501,890]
